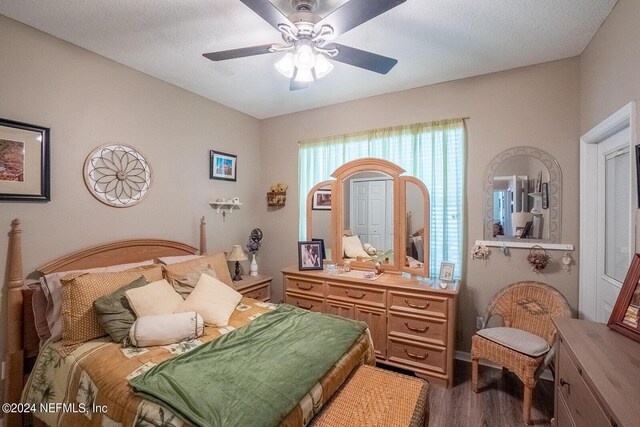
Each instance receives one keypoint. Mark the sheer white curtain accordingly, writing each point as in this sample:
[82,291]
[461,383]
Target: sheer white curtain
[433,152]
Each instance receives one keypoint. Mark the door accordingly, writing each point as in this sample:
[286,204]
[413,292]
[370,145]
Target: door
[614,226]
[376,213]
[368,213]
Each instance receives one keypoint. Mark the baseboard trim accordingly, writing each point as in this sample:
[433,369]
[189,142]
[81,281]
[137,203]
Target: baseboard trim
[466,357]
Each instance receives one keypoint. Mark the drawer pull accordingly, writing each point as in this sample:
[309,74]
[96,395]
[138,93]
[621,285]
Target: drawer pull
[565,383]
[304,288]
[346,291]
[425,329]
[306,307]
[416,356]
[421,307]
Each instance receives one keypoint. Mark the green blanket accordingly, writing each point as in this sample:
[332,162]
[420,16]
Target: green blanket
[255,375]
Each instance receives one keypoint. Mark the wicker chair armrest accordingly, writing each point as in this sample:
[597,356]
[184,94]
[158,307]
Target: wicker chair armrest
[548,359]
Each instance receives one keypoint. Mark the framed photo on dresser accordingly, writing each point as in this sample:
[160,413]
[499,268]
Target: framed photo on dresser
[310,255]
[624,317]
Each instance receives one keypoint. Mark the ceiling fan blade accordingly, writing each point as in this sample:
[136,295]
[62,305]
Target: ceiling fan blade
[362,58]
[294,85]
[238,53]
[355,12]
[267,11]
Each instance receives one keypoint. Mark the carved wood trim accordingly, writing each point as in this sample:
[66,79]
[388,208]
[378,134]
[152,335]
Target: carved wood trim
[426,238]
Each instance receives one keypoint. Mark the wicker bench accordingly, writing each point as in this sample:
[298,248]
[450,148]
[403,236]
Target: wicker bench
[374,397]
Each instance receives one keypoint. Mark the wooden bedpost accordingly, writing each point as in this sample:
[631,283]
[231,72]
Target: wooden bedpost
[14,357]
[203,236]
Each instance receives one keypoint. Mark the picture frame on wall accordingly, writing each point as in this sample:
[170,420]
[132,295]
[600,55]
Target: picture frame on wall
[626,312]
[24,162]
[446,271]
[321,200]
[310,255]
[222,166]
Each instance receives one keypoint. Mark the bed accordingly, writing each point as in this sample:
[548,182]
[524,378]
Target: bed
[93,379]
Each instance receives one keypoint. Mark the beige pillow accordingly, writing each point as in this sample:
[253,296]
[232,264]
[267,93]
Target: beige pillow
[213,300]
[79,320]
[182,269]
[184,286]
[353,247]
[154,299]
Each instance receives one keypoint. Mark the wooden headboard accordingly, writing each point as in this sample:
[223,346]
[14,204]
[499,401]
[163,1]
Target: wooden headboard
[18,330]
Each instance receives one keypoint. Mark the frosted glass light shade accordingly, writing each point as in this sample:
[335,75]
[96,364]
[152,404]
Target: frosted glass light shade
[323,66]
[304,58]
[304,75]
[286,66]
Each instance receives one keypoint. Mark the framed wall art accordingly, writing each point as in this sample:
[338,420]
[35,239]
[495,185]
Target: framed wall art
[624,317]
[321,200]
[222,166]
[24,162]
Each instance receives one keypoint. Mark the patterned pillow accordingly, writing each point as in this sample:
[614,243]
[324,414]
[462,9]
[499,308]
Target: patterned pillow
[79,290]
[182,269]
[184,285]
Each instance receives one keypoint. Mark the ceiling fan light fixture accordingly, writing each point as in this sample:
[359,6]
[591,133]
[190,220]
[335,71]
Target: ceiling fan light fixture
[303,75]
[323,66]
[286,65]
[304,57]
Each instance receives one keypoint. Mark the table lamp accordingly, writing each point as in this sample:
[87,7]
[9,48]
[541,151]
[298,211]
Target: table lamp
[237,255]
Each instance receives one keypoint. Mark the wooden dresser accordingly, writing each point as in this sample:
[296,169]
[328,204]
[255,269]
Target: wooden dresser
[258,287]
[597,376]
[412,323]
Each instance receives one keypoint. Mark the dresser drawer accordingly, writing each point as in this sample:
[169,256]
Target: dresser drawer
[261,294]
[308,287]
[307,303]
[416,355]
[563,418]
[356,294]
[427,329]
[583,407]
[430,305]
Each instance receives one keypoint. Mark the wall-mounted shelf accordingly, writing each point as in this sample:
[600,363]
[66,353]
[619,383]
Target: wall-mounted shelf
[221,205]
[525,245]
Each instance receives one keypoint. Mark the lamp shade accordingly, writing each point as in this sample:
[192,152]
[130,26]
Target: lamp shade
[236,254]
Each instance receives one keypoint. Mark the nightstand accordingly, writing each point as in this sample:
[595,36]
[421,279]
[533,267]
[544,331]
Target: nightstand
[258,287]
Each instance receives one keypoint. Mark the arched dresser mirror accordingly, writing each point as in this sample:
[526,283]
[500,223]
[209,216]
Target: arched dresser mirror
[369,212]
[523,190]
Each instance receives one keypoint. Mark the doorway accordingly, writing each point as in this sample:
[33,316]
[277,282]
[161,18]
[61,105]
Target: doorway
[608,203]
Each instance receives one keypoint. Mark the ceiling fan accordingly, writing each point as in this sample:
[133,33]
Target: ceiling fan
[307,39]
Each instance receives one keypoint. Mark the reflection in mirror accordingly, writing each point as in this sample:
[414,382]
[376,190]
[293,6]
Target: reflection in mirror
[321,220]
[523,196]
[415,229]
[368,215]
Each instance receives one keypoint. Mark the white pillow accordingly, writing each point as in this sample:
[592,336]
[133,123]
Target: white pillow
[211,299]
[353,247]
[168,260]
[154,299]
[165,329]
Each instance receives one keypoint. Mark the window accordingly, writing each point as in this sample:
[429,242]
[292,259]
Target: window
[432,152]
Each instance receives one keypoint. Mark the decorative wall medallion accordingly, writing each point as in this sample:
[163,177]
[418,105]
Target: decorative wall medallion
[118,175]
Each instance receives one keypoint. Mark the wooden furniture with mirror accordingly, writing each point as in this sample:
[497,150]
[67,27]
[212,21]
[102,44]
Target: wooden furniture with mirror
[412,321]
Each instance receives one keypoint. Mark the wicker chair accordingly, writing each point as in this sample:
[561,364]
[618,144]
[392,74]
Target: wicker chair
[526,307]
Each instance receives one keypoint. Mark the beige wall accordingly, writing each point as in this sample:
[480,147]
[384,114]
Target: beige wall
[87,101]
[609,66]
[534,106]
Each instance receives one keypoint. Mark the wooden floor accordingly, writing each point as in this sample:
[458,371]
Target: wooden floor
[497,403]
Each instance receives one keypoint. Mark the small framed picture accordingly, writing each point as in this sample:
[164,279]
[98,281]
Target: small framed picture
[24,162]
[310,255]
[446,271]
[545,195]
[322,200]
[222,166]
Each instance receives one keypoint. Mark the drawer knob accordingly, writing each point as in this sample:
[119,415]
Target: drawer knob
[416,356]
[565,383]
[421,307]
[306,307]
[346,291]
[304,288]
[425,329]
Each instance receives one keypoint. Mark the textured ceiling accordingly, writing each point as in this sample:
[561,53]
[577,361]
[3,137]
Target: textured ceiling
[433,40]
